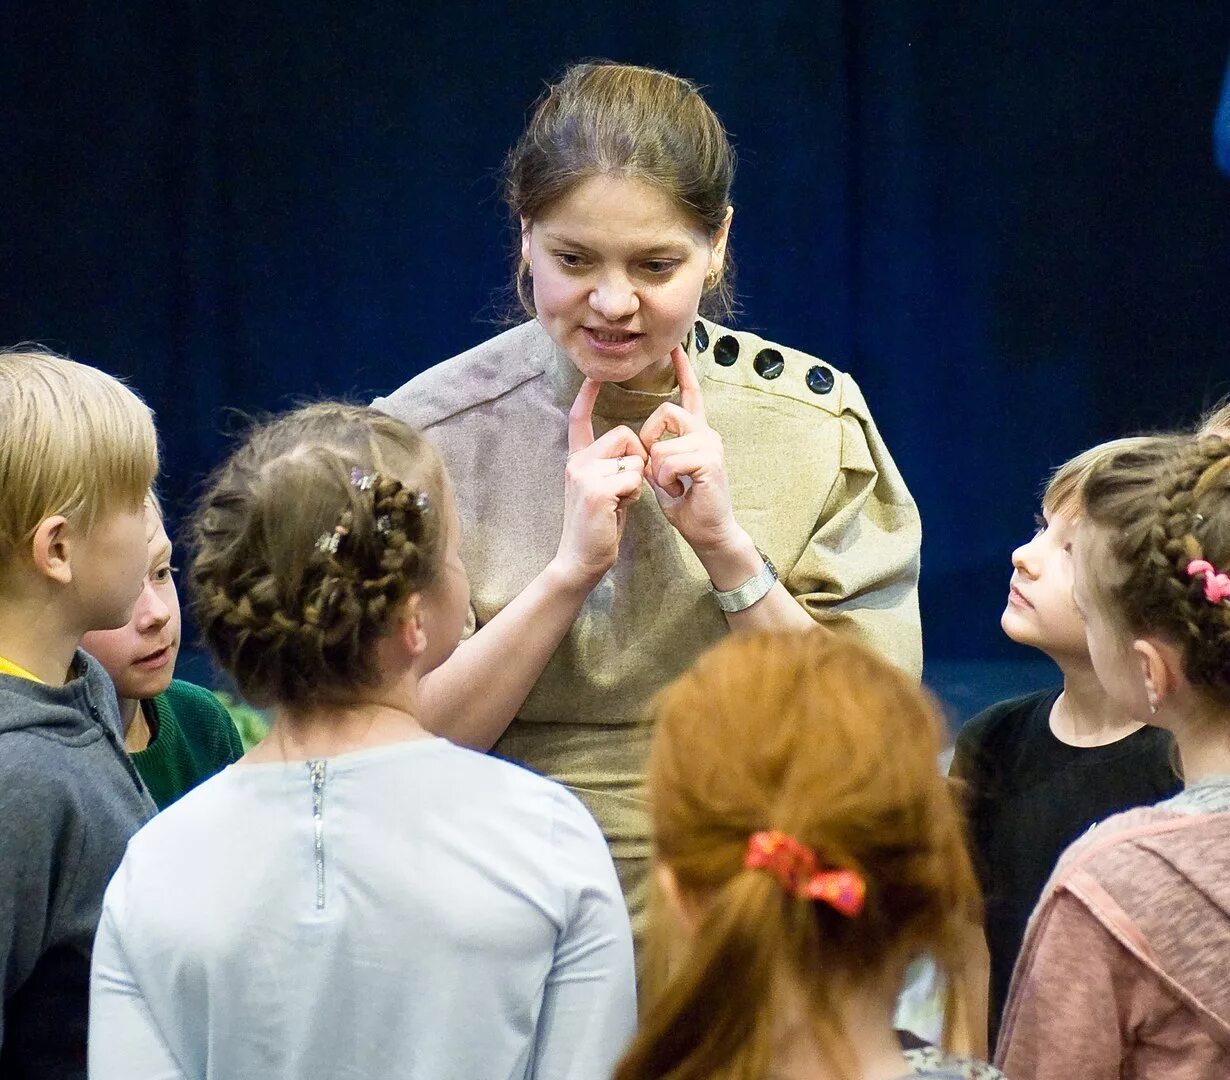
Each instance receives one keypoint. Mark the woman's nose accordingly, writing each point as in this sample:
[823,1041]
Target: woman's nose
[614,298]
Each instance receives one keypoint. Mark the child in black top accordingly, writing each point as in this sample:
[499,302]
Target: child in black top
[1040,769]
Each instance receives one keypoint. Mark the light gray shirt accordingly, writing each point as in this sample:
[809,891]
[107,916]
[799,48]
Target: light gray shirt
[415,910]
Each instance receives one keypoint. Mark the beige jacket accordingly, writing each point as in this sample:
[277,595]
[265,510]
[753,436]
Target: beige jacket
[811,482]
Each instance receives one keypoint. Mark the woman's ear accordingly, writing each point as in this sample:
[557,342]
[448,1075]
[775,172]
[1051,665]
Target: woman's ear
[717,258]
[51,549]
[526,227]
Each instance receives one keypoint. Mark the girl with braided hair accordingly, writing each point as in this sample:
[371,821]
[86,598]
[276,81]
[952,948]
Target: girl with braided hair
[1123,969]
[355,897]
[805,851]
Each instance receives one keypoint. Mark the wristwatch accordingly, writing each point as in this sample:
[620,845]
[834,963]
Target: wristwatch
[752,590]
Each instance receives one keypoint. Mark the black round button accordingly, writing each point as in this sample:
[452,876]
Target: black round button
[768,364]
[819,379]
[726,350]
[701,335]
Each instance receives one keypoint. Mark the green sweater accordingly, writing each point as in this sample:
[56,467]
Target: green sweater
[192,738]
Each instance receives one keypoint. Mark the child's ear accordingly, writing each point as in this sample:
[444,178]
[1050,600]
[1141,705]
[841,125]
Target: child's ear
[1161,666]
[51,549]
[411,627]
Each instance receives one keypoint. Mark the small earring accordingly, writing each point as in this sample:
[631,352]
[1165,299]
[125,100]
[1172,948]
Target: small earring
[1152,703]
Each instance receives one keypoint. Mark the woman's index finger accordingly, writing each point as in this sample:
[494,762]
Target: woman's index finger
[690,396]
[581,416]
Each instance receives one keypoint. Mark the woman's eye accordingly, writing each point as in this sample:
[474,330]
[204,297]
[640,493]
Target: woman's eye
[569,259]
[658,267]
[164,574]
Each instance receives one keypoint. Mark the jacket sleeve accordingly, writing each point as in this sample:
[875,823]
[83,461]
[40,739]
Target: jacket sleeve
[860,568]
[40,848]
[1077,997]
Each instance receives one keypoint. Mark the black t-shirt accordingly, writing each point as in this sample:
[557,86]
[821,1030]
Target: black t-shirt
[1029,796]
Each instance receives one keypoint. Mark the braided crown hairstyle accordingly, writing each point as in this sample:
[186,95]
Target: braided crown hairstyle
[306,544]
[1157,506]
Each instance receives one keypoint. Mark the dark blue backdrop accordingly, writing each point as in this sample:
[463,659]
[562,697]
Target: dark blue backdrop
[1004,219]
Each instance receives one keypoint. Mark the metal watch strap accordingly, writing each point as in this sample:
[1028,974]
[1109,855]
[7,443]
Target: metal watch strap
[755,588]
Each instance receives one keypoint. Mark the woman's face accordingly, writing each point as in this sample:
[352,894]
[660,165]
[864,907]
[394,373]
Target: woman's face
[618,269]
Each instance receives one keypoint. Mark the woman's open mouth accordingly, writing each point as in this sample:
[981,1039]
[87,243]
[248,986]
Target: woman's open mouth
[611,342]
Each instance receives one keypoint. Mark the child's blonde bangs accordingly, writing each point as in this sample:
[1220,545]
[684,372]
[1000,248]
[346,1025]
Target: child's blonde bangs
[74,441]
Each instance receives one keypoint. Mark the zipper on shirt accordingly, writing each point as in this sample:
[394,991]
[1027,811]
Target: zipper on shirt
[316,774]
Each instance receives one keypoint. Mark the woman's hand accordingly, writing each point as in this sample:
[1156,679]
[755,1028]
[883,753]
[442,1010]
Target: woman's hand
[688,471]
[601,479]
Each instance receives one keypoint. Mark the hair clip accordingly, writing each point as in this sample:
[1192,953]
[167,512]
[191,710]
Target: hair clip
[422,503]
[1216,586]
[363,481]
[384,524]
[330,541]
[794,864]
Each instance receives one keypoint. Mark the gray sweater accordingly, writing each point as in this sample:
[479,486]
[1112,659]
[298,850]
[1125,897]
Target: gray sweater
[70,799]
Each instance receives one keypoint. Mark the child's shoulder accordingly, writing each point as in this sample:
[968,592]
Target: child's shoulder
[1008,718]
[185,697]
[519,788]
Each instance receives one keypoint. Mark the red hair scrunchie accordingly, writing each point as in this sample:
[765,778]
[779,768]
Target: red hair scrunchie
[794,864]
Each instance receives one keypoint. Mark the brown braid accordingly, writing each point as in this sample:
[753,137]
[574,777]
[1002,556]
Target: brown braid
[291,621]
[1159,505]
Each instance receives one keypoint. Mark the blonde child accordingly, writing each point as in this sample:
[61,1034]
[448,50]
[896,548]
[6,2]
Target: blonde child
[806,850]
[1040,769]
[77,455]
[1123,970]
[356,897]
[178,734]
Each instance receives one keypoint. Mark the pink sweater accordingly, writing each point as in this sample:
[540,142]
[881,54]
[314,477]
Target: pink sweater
[1125,969]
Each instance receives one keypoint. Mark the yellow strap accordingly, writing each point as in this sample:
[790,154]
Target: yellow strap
[7,667]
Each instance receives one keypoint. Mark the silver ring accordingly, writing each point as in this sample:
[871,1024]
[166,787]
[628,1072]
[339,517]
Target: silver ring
[621,466]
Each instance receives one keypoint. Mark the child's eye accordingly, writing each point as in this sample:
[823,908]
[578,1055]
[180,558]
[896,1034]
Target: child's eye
[1040,525]
[569,259]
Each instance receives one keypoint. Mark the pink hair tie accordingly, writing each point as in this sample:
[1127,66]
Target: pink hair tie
[793,863]
[1216,586]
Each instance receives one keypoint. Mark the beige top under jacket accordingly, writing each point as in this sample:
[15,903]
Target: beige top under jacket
[810,479]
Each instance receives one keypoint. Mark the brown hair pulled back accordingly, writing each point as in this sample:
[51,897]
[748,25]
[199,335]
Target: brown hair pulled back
[1156,507]
[292,623]
[819,737]
[604,119]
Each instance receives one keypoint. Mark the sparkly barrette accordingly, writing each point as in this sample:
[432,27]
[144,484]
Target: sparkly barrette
[1216,586]
[329,542]
[794,864]
[363,481]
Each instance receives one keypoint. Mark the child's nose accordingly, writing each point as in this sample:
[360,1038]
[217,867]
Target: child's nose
[1022,559]
[152,611]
